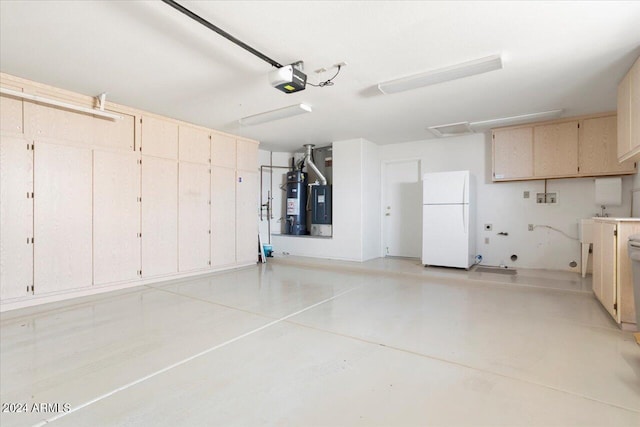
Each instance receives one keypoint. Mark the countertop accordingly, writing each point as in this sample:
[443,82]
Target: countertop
[611,219]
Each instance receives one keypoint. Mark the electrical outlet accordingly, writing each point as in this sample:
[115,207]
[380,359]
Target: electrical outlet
[552,197]
[530,227]
[488,227]
[541,198]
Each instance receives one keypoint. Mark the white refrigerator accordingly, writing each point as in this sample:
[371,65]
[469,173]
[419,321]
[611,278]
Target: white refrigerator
[448,219]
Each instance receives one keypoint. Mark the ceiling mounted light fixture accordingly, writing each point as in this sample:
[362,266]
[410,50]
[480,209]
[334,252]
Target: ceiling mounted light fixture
[516,120]
[280,113]
[44,100]
[440,75]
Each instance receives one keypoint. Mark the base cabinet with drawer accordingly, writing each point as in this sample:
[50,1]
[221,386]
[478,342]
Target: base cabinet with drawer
[612,273]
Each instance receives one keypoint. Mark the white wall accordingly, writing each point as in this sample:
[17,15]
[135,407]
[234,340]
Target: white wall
[356,185]
[371,202]
[503,205]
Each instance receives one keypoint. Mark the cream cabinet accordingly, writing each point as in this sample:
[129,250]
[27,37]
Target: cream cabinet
[513,153]
[63,207]
[193,216]
[159,216]
[87,203]
[567,148]
[159,137]
[597,154]
[555,149]
[16,217]
[116,216]
[612,273]
[629,114]
[223,216]
[11,112]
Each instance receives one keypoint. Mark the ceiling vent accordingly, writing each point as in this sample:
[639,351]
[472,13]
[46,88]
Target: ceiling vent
[452,129]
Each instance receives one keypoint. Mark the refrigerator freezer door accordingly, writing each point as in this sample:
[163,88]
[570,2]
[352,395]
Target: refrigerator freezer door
[445,240]
[445,188]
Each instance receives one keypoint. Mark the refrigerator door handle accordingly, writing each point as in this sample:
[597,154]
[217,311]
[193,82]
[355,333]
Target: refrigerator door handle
[464,187]
[464,222]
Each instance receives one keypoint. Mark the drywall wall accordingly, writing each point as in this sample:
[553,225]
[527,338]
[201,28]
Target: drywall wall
[355,186]
[371,202]
[503,204]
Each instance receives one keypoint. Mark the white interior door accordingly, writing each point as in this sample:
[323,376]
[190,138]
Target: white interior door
[194,216]
[63,215]
[116,216]
[402,209]
[159,216]
[16,217]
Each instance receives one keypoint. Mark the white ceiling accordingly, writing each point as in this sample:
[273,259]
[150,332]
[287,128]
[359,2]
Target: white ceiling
[145,54]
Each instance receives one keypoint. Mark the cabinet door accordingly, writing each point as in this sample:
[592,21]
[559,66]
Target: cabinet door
[555,149]
[223,216]
[604,266]
[159,216]
[223,150]
[194,216]
[596,281]
[634,101]
[247,217]
[16,217]
[63,215]
[624,116]
[512,153]
[11,113]
[598,148]
[247,155]
[159,138]
[116,216]
[194,145]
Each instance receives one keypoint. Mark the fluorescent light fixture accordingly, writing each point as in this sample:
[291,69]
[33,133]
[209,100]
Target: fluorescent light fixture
[280,113]
[514,120]
[62,104]
[465,69]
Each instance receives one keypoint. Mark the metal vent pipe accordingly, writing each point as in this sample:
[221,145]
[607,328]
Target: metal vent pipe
[309,163]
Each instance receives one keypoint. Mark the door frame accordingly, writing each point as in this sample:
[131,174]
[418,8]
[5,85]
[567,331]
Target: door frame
[383,175]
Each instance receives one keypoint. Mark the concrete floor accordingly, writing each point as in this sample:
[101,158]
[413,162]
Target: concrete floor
[306,342]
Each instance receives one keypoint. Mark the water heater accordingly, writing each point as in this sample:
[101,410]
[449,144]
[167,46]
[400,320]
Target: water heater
[296,203]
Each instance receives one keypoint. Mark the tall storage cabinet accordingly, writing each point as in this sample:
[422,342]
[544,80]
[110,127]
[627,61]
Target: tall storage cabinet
[16,217]
[116,216]
[63,206]
[612,274]
[90,204]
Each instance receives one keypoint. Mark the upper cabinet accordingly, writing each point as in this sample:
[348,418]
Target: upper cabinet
[513,153]
[223,150]
[629,114]
[247,155]
[598,153]
[565,148]
[555,149]
[159,137]
[194,144]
